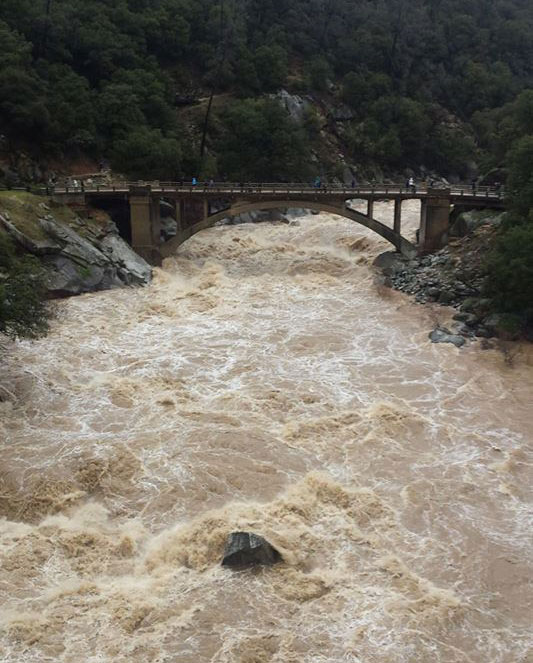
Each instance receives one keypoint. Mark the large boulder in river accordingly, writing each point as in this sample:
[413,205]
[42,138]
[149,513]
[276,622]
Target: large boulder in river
[244,549]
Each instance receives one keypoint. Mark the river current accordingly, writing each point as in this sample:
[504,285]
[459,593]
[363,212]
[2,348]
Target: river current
[266,382]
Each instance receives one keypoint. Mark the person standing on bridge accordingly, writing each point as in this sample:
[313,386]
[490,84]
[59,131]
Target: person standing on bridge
[412,185]
[318,182]
[194,181]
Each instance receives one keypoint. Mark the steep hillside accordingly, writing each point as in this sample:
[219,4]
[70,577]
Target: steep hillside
[175,88]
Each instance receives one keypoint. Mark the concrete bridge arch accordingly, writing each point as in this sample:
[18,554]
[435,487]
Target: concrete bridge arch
[401,244]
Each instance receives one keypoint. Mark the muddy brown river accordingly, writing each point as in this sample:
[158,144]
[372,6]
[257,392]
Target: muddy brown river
[265,382]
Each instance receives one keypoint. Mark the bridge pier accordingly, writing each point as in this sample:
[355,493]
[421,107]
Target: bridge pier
[145,221]
[398,216]
[370,208]
[434,220]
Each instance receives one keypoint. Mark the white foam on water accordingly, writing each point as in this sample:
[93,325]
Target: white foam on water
[264,381]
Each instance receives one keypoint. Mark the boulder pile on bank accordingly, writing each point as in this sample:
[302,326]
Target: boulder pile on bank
[453,276]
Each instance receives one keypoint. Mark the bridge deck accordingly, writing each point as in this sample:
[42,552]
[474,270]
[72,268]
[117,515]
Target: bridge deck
[457,193]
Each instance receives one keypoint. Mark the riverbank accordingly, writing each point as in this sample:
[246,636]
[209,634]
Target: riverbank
[455,277]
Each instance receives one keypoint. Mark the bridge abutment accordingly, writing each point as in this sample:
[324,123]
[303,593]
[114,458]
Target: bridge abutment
[434,220]
[145,221]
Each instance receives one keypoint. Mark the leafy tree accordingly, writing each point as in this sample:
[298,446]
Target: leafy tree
[83,74]
[359,90]
[450,150]
[260,141]
[271,67]
[510,272]
[146,153]
[319,73]
[520,181]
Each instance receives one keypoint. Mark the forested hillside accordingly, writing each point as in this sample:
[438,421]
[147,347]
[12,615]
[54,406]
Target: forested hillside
[414,83]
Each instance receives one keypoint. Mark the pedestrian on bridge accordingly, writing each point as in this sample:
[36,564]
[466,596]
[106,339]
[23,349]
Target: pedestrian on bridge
[194,181]
[318,182]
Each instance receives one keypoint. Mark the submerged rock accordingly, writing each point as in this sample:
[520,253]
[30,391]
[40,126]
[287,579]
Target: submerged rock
[244,549]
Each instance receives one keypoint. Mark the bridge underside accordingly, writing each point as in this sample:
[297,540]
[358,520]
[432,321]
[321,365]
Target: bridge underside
[393,236]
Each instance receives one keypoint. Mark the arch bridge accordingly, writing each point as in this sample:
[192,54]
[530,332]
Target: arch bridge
[201,206]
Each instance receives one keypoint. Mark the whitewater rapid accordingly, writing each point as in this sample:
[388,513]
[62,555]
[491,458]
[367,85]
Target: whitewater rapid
[265,381]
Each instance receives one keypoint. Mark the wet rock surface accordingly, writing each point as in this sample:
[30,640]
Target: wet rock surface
[79,255]
[444,335]
[245,549]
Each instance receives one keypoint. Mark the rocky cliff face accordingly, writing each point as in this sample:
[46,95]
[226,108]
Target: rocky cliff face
[80,255]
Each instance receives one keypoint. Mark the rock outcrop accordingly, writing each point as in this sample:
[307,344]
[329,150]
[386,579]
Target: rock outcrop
[245,549]
[295,105]
[79,255]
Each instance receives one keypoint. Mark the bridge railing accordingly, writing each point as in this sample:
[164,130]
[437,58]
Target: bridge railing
[275,188]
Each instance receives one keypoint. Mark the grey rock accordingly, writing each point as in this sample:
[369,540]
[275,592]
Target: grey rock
[126,260]
[293,104]
[470,319]
[390,263]
[483,332]
[492,322]
[446,297]
[462,329]
[483,305]
[469,305]
[443,335]
[341,113]
[38,247]
[245,549]
[166,209]
[169,228]
[66,277]
[76,264]
[467,222]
